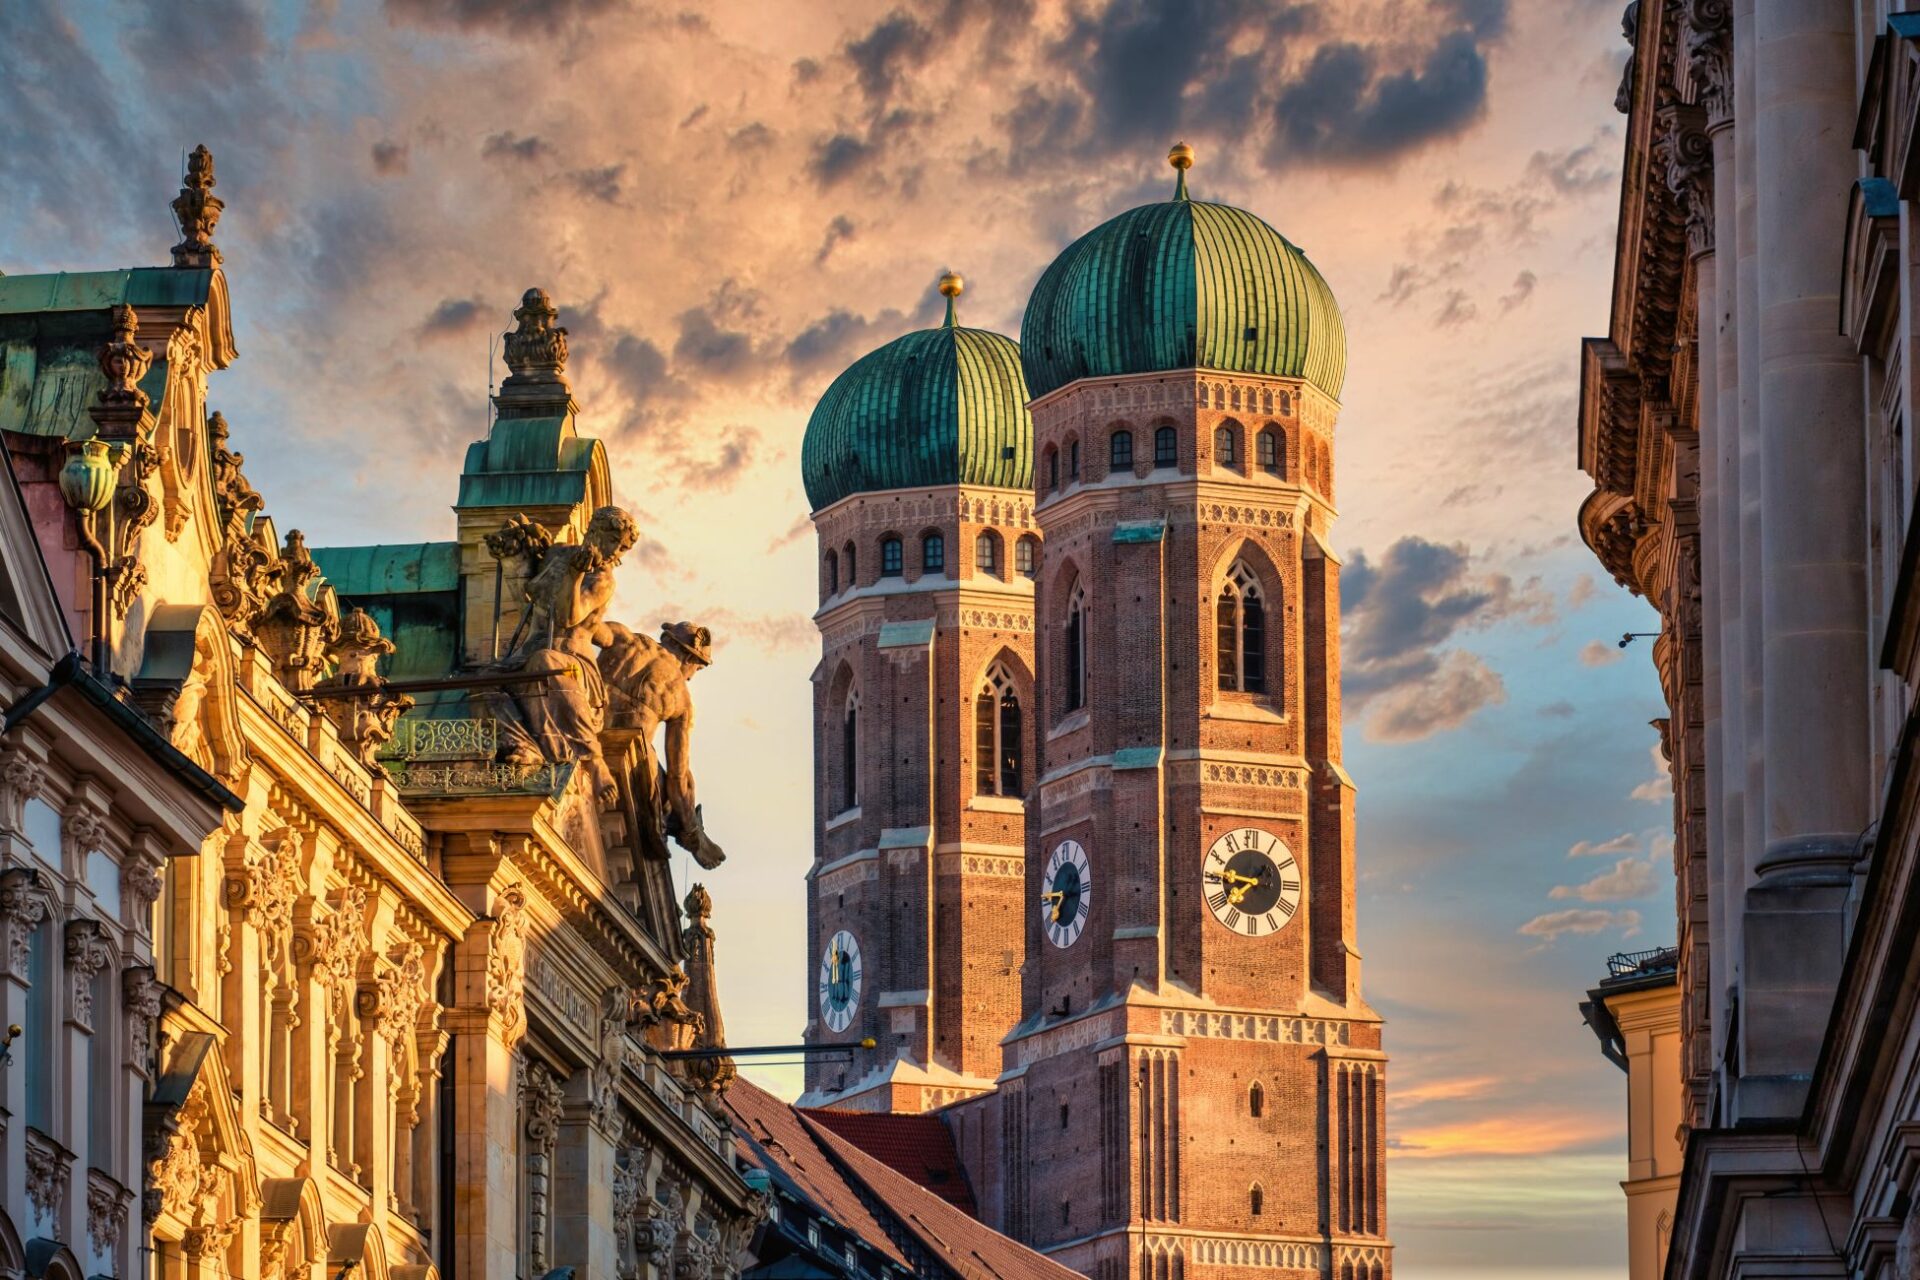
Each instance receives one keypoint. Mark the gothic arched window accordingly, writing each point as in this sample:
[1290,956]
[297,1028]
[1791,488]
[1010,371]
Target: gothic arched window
[850,752]
[833,573]
[1076,643]
[1256,1100]
[1224,452]
[892,558]
[1256,1200]
[1073,459]
[986,552]
[1166,448]
[1120,451]
[1026,555]
[996,730]
[851,559]
[1052,469]
[1272,459]
[1241,624]
[933,553]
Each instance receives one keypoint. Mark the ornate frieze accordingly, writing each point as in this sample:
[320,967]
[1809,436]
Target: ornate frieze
[1270,1028]
[506,957]
[541,1095]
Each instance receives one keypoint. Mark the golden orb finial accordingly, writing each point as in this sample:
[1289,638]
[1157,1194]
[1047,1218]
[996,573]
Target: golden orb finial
[1180,156]
[951,286]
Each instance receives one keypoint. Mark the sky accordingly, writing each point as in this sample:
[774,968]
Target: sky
[729,202]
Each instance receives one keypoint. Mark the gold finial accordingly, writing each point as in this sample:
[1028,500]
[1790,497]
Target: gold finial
[951,286]
[1180,156]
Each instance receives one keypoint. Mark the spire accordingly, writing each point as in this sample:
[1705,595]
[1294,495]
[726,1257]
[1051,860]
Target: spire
[951,287]
[197,210]
[1181,158]
[703,993]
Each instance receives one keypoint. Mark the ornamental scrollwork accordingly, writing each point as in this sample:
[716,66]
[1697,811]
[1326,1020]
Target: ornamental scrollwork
[87,954]
[507,955]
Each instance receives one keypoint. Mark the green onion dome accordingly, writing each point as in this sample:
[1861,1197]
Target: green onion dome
[935,407]
[1182,285]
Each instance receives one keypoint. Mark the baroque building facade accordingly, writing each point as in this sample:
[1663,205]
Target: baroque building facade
[1086,809]
[338,930]
[1744,422]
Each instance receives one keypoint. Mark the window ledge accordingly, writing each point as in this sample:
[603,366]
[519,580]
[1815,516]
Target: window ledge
[997,804]
[842,818]
[1078,720]
[1252,712]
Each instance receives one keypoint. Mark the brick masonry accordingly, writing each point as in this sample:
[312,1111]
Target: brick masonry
[1115,1127]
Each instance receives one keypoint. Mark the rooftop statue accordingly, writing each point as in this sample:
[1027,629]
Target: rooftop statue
[648,680]
[559,719]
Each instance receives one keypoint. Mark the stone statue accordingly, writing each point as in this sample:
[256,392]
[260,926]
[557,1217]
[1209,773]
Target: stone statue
[648,680]
[559,719]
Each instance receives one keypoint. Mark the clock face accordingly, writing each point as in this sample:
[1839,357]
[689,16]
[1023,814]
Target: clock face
[1066,893]
[839,981]
[1251,882]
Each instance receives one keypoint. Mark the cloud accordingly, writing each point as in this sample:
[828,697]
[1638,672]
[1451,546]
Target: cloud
[802,525]
[1558,709]
[1454,1089]
[721,469]
[453,316]
[1531,1132]
[511,146]
[1342,109]
[508,17]
[1460,685]
[1625,842]
[838,232]
[1598,653]
[602,184]
[1522,290]
[1575,171]
[1456,310]
[389,157]
[1583,591]
[1659,788]
[1581,921]
[832,342]
[1629,879]
[1402,615]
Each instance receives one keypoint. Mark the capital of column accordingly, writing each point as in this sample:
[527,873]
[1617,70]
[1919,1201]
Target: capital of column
[1683,155]
[1707,39]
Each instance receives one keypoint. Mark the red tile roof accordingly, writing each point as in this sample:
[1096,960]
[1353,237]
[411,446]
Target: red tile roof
[918,1147]
[962,1245]
[771,1136]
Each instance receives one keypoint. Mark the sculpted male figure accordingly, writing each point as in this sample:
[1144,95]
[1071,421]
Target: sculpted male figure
[649,682]
[560,718]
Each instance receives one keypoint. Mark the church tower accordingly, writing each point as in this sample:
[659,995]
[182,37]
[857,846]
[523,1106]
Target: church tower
[919,468]
[1195,1084]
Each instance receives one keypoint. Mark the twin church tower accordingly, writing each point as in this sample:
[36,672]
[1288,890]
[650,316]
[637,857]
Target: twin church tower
[1083,848]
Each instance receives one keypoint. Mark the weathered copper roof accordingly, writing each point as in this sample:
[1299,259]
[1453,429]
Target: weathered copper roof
[98,290]
[934,407]
[530,462]
[1182,285]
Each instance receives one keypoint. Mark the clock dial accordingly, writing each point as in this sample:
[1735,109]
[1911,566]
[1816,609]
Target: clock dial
[1066,893]
[1251,882]
[839,981]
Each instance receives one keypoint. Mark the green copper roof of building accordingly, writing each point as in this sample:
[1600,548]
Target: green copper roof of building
[98,290]
[1182,285]
[935,407]
[530,462]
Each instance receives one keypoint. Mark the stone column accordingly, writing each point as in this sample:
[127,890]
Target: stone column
[1812,548]
[486,1024]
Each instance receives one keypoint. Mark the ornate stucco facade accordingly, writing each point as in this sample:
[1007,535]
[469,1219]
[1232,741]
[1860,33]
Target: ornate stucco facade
[1744,423]
[340,939]
[1143,901]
